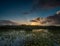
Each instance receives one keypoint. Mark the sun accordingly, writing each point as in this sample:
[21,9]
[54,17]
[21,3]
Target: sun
[35,23]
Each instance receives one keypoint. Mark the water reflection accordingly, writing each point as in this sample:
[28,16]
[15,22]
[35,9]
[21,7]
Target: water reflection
[40,37]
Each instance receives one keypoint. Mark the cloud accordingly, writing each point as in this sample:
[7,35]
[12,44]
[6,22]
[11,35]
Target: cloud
[38,4]
[50,20]
[55,19]
[26,12]
[7,22]
[36,19]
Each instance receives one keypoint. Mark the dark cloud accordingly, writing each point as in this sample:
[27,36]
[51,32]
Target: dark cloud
[26,13]
[33,21]
[54,19]
[50,20]
[38,4]
[7,22]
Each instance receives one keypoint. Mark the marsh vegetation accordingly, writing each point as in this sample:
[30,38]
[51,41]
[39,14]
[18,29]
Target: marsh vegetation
[35,37]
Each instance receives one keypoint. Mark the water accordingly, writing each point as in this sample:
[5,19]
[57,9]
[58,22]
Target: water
[40,37]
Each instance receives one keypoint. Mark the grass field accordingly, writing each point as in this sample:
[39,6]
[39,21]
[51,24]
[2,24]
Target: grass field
[44,37]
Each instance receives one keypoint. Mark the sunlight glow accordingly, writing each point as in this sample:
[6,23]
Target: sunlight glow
[35,23]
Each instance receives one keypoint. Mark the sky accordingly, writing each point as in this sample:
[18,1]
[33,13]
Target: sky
[23,11]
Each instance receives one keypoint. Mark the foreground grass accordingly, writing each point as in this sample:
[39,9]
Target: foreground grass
[26,38]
